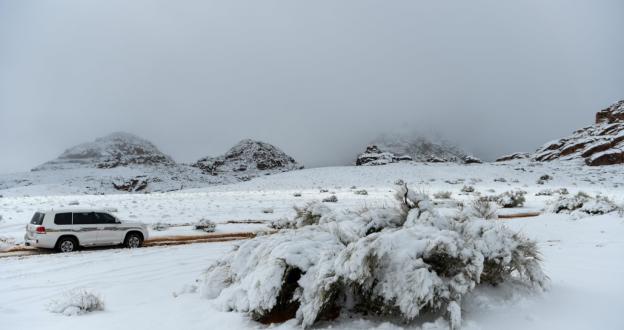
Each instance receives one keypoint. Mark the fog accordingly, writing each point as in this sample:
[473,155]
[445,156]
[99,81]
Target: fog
[319,79]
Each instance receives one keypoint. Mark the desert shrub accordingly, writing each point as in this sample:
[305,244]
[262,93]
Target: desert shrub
[542,179]
[509,199]
[361,192]
[550,192]
[76,302]
[442,195]
[160,226]
[205,225]
[6,242]
[388,262]
[483,208]
[582,204]
[330,199]
[468,189]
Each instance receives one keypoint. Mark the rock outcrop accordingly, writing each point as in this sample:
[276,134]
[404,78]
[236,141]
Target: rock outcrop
[599,144]
[392,148]
[246,158]
[517,155]
[117,149]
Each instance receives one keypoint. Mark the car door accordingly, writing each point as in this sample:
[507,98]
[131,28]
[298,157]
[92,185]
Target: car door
[85,227]
[109,230]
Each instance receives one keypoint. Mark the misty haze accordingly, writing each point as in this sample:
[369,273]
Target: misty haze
[350,164]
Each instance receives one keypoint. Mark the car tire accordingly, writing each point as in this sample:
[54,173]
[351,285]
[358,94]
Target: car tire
[133,241]
[66,244]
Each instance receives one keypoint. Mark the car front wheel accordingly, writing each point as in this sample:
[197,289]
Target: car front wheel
[66,244]
[133,241]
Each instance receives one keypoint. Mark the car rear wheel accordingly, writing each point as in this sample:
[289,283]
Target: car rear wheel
[66,244]
[133,241]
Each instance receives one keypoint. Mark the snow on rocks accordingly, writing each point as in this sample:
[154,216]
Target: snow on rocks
[113,150]
[390,262]
[247,158]
[391,148]
[599,144]
[76,302]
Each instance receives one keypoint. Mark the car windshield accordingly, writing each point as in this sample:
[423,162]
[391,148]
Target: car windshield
[37,219]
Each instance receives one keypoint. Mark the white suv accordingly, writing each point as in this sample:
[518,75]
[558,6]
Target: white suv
[66,230]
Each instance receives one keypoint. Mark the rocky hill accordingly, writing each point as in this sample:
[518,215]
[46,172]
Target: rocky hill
[599,144]
[395,148]
[113,150]
[247,159]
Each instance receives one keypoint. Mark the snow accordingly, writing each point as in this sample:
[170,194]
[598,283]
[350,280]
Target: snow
[582,257]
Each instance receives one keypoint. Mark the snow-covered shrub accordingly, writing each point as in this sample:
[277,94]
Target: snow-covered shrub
[160,226]
[582,204]
[550,192]
[509,199]
[483,208]
[542,179]
[267,210]
[323,190]
[330,199]
[468,189]
[6,242]
[361,192]
[500,180]
[390,262]
[399,182]
[442,195]
[73,203]
[76,302]
[297,194]
[205,225]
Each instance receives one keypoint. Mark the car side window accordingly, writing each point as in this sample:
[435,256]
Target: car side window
[84,218]
[63,219]
[105,218]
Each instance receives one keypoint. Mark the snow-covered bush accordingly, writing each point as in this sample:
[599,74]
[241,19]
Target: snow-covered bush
[582,204]
[468,189]
[442,195]
[509,199]
[160,226]
[390,262]
[267,210]
[483,208]
[360,192]
[297,194]
[205,225]
[76,302]
[6,242]
[330,199]
[550,192]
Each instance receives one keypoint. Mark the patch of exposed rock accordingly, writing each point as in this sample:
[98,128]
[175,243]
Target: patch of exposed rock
[247,158]
[599,144]
[117,149]
[514,156]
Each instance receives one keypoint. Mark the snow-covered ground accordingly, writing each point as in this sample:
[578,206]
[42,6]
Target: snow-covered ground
[583,257]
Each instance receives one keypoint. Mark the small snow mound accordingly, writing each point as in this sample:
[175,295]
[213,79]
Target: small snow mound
[76,302]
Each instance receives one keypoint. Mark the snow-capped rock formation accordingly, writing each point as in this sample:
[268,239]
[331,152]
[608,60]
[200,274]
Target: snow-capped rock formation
[599,144]
[516,155]
[247,158]
[113,150]
[395,148]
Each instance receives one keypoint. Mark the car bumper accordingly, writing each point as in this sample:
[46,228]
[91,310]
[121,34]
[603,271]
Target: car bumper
[39,242]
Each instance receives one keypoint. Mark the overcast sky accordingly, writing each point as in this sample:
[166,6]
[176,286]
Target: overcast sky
[319,79]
